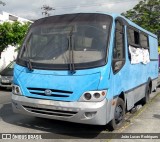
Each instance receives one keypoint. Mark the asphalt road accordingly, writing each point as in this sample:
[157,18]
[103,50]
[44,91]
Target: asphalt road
[17,123]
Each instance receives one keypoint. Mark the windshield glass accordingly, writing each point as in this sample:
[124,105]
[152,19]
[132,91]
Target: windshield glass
[48,42]
[11,65]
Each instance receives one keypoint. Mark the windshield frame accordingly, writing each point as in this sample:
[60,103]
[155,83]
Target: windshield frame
[78,66]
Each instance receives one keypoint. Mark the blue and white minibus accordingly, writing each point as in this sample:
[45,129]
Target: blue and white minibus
[86,68]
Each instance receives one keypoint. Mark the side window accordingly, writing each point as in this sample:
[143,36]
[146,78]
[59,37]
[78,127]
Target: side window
[133,37]
[119,48]
[144,41]
[138,46]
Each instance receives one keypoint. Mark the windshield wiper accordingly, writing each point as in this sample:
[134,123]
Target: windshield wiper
[71,54]
[29,64]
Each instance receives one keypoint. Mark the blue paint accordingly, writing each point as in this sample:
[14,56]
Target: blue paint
[98,78]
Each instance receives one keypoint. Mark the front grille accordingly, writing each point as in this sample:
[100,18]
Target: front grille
[54,92]
[62,113]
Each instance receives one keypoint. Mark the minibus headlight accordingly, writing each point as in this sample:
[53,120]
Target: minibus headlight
[97,95]
[93,96]
[87,96]
[16,90]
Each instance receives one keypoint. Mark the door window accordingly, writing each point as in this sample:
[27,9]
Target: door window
[119,48]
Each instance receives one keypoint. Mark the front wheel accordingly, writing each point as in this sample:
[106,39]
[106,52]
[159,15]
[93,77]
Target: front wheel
[119,114]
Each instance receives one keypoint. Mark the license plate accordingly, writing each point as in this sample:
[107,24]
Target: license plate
[5,81]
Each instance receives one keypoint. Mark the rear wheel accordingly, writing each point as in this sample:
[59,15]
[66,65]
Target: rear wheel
[146,98]
[119,115]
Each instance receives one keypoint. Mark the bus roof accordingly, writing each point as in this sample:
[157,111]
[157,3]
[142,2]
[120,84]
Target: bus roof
[114,15]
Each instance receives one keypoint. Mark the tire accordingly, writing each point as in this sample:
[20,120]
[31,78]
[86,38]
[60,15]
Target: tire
[3,88]
[155,89]
[119,115]
[146,98]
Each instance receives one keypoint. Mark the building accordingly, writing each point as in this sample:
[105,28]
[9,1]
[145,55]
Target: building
[9,54]
[7,17]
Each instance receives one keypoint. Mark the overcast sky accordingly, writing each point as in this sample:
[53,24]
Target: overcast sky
[31,9]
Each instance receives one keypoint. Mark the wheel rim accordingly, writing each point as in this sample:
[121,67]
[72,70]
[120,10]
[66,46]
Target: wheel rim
[118,114]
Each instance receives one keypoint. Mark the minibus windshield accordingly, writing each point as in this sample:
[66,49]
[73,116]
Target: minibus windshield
[48,42]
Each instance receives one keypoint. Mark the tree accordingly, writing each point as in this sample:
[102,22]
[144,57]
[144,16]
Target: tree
[2,3]
[46,10]
[12,34]
[146,14]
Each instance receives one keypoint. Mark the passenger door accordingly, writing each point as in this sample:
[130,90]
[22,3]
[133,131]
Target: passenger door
[119,59]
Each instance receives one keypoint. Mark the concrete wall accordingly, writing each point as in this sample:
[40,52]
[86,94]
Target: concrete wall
[7,56]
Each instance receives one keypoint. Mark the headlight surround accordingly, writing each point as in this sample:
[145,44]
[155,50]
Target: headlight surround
[16,90]
[93,96]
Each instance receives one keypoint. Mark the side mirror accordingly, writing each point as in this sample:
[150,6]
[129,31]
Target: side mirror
[117,65]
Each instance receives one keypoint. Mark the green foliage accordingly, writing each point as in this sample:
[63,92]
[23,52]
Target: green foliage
[12,34]
[146,14]
[46,10]
[2,3]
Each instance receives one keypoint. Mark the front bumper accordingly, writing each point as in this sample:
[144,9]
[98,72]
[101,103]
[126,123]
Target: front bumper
[6,85]
[6,81]
[79,112]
